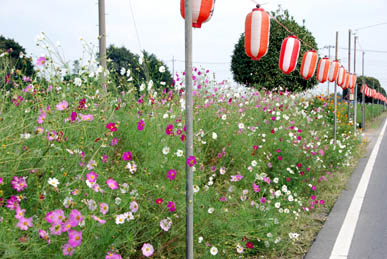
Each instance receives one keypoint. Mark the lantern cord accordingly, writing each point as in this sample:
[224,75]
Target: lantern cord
[283,26]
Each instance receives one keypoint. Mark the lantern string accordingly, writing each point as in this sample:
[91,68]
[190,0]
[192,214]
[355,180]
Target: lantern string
[292,33]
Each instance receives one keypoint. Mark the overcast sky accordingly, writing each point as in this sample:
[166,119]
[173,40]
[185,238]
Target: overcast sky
[160,28]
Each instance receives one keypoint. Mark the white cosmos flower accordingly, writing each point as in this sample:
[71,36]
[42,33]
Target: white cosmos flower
[239,249]
[150,85]
[211,210]
[179,153]
[128,73]
[162,83]
[117,200]
[166,150]
[120,219]
[53,182]
[200,239]
[241,125]
[122,71]
[162,69]
[254,163]
[196,188]
[77,81]
[142,87]
[224,117]
[214,135]
[277,205]
[214,250]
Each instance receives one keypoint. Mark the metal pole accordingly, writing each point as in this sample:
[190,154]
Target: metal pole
[189,128]
[173,66]
[363,96]
[102,40]
[329,56]
[355,99]
[349,70]
[335,93]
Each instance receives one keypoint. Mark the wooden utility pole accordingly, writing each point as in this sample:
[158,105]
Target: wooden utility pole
[355,99]
[363,96]
[102,40]
[349,71]
[335,93]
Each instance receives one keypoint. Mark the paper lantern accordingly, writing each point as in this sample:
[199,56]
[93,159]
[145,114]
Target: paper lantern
[323,70]
[363,88]
[352,81]
[257,33]
[341,76]
[333,71]
[202,11]
[346,81]
[309,63]
[290,50]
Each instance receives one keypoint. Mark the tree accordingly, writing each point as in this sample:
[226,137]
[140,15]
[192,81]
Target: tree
[139,73]
[16,54]
[373,83]
[265,73]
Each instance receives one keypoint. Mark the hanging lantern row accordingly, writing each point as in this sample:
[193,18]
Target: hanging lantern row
[257,33]
[367,91]
[309,63]
[323,70]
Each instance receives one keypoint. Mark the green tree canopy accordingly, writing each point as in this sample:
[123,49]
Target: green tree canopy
[139,73]
[16,60]
[265,73]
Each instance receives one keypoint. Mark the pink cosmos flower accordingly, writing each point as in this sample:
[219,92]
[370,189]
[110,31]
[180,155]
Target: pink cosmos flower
[182,138]
[263,200]
[191,161]
[75,217]
[111,255]
[24,223]
[169,129]
[147,250]
[171,175]
[112,184]
[134,206]
[256,187]
[41,61]
[159,201]
[87,117]
[44,235]
[57,217]
[99,220]
[166,224]
[39,130]
[172,206]
[104,158]
[56,229]
[52,135]
[29,88]
[67,249]
[249,245]
[19,183]
[75,238]
[1,180]
[103,208]
[13,203]
[66,226]
[42,117]
[19,213]
[236,178]
[92,177]
[127,156]
[114,141]
[141,125]
[63,105]
[111,126]
[279,158]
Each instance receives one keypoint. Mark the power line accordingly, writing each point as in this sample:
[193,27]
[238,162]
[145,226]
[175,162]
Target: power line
[370,26]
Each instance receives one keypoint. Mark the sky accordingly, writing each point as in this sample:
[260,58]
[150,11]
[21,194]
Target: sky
[157,27]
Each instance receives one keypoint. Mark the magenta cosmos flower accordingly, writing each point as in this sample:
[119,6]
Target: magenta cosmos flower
[24,223]
[191,161]
[147,250]
[169,129]
[19,183]
[75,238]
[13,203]
[127,156]
[41,61]
[92,176]
[75,218]
[111,255]
[171,175]
[73,116]
[172,206]
[111,126]
[141,125]
[112,184]
[67,249]
[63,105]
[44,235]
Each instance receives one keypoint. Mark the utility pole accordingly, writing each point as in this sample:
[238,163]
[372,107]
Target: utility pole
[173,66]
[363,96]
[102,40]
[349,71]
[329,56]
[355,99]
[189,127]
[335,94]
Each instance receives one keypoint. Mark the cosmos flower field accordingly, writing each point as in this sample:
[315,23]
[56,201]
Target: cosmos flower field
[86,173]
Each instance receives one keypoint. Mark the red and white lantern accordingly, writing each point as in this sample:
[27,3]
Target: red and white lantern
[290,50]
[202,11]
[333,71]
[346,82]
[341,76]
[352,81]
[323,70]
[257,33]
[363,88]
[308,65]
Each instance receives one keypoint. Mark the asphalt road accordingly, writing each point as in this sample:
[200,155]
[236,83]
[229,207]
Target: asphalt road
[369,239]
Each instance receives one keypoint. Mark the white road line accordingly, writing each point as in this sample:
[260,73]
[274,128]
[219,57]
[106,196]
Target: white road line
[344,239]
